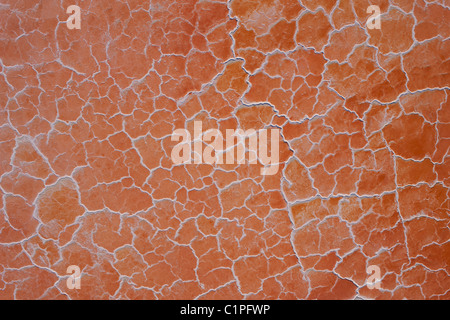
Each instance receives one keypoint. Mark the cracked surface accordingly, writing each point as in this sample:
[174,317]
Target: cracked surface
[86,176]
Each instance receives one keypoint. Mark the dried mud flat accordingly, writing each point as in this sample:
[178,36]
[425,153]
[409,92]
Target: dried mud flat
[87,180]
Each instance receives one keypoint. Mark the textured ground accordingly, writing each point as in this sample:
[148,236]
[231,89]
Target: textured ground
[87,179]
